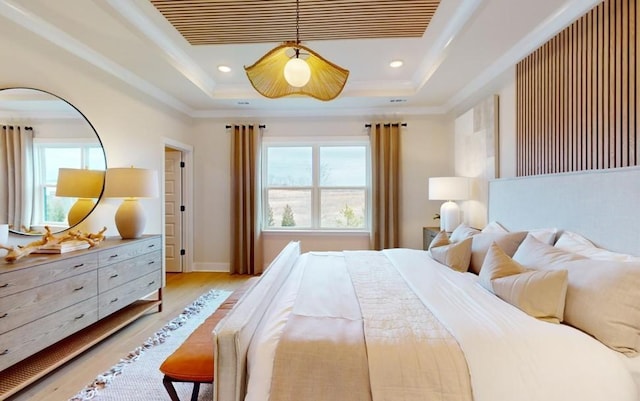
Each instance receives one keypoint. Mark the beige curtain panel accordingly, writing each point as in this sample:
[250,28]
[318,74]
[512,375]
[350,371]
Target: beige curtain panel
[246,244]
[385,165]
[16,176]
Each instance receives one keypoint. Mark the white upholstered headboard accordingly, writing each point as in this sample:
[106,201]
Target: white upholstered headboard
[602,205]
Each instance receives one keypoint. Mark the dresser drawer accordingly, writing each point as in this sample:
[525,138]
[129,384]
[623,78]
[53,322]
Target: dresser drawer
[27,306]
[39,274]
[26,340]
[121,273]
[119,297]
[128,251]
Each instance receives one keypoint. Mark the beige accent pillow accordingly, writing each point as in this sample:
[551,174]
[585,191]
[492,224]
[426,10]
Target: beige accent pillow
[540,294]
[456,255]
[603,300]
[440,239]
[462,232]
[508,242]
[497,264]
[535,254]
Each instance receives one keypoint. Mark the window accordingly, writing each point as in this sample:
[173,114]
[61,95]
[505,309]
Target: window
[49,157]
[320,185]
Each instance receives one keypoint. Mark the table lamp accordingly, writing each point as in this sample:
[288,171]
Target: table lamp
[449,189]
[84,184]
[131,183]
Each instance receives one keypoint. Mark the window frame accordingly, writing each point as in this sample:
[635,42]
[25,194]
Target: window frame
[316,189]
[40,183]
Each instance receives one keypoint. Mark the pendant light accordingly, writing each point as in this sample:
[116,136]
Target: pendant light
[293,69]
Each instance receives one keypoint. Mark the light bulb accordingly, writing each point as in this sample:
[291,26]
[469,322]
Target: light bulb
[297,72]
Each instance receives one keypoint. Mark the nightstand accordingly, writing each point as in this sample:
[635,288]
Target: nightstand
[428,234]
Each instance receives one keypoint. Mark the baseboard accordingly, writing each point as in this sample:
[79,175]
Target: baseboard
[211,267]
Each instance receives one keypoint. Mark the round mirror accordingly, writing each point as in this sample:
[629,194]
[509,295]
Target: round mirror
[52,162]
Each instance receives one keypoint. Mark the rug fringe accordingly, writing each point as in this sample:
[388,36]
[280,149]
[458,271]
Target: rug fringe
[159,337]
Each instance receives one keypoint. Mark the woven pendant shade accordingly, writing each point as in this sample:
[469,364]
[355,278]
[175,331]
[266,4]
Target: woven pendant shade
[267,77]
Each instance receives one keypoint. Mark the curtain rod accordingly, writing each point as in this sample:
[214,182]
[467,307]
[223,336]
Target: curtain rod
[386,125]
[11,127]
[259,126]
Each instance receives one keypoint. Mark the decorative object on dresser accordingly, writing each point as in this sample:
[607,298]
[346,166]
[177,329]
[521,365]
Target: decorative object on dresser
[84,184]
[449,189]
[50,242]
[54,307]
[131,184]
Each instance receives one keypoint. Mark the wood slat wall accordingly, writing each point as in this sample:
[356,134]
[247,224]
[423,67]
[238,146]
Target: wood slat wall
[577,95]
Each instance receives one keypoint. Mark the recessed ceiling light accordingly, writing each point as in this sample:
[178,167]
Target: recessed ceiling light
[396,64]
[224,68]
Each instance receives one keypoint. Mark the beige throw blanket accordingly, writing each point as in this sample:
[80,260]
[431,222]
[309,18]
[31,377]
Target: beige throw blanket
[358,332]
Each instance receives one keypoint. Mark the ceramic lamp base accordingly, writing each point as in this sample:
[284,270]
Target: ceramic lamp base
[449,216]
[130,219]
[80,210]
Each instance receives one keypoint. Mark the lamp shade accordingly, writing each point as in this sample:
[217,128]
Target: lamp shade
[448,188]
[79,183]
[130,182]
[325,80]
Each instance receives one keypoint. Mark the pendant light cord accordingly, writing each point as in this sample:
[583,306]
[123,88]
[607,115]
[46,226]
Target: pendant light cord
[297,27]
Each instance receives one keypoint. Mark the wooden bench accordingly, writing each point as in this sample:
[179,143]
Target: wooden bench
[193,361]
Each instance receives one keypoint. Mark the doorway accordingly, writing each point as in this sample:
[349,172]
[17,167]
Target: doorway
[173,222]
[177,207]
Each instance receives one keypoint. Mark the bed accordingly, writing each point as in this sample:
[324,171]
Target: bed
[404,324]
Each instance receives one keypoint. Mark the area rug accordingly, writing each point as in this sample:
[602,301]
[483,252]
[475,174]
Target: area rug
[137,375]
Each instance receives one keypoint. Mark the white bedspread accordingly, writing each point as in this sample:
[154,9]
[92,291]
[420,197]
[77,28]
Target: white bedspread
[511,356]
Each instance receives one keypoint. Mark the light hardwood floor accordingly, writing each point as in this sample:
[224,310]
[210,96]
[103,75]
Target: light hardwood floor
[181,289]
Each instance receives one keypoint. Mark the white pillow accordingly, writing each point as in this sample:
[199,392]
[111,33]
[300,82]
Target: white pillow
[462,232]
[573,242]
[533,253]
[546,235]
[494,227]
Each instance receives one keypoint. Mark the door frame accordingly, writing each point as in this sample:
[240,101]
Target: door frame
[187,200]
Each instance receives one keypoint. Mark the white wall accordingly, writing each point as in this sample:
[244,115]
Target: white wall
[427,150]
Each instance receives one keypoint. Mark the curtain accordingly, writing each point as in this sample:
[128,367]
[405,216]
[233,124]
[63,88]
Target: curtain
[17,176]
[385,166]
[245,200]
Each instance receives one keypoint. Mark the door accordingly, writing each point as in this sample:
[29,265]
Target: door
[173,214]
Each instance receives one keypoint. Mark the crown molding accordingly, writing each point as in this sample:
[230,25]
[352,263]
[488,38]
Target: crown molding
[47,31]
[180,60]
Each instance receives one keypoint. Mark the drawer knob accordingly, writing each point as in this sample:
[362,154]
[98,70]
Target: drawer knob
[78,265]
[114,275]
[5,352]
[151,262]
[151,283]
[79,317]
[114,256]
[114,300]
[151,246]
[79,288]
[5,285]
[4,315]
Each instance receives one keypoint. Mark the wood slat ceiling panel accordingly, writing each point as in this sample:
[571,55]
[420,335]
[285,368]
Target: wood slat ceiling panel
[207,22]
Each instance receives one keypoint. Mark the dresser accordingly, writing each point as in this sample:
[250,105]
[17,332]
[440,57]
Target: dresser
[46,299]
